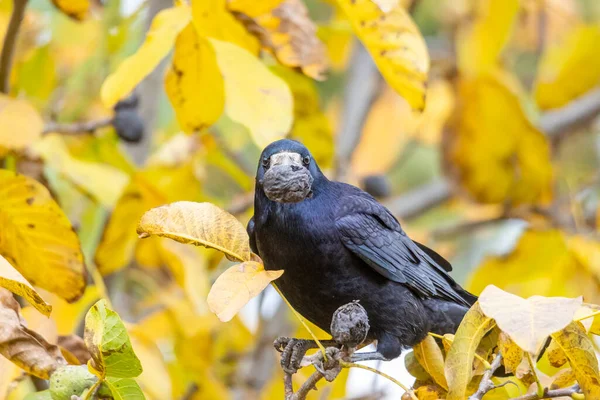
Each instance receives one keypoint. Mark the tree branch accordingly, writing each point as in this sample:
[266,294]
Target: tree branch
[557,123]
[486,383]
[419,200]
[307,386]
[77,127]
[362,87]
[8,48]
[551,394]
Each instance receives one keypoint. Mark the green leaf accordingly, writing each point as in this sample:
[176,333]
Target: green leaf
[107,340]
[124,389]
[43,395]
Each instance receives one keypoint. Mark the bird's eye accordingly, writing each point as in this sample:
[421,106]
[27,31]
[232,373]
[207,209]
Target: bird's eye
[265,162]
[306,160]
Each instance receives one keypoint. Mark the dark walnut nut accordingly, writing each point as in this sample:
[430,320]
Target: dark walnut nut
[350,325]
[287,183]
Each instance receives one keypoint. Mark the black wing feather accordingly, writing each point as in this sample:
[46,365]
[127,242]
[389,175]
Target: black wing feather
[369,230]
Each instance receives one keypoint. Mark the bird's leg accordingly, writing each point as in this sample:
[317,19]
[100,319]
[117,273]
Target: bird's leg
[293,350]
[368,356]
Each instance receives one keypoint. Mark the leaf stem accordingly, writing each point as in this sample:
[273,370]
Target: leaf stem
[90,394]
[540,388]
[597,312]
[346,364]
[301,318]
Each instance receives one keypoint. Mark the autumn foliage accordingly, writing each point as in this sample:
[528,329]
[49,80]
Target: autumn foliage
[129,136]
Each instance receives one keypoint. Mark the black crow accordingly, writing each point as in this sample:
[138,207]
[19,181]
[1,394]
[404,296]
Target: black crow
[337,244]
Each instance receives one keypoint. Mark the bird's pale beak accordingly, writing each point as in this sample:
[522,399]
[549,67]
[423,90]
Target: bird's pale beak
[287,180]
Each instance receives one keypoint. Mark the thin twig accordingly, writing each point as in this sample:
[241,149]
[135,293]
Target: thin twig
[346,364]
[77,127]
[486,383]
[8,48]
[551,394]
[307,386]
[288,385]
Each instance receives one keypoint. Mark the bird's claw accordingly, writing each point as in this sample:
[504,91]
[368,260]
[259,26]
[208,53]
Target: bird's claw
[331,367]
[292,352]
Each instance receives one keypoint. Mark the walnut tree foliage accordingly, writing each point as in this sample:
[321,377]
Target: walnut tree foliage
[129,136]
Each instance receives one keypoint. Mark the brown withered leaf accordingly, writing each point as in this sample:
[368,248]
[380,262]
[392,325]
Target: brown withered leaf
[289,33]
[76,348]
[22,346]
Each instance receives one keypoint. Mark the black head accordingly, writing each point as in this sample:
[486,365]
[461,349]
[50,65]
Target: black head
[286,172]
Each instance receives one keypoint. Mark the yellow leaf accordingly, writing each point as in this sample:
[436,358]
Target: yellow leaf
[556,356]
[431,358]
[580,352]
[20,123]
[382,138]
[530,321]
[289,33]
[12,280]
[159,41]
[24,347]
[563,378]
[236,286]
[212,20]
[569,69]
[103,182]
[189,268]
[512,355]
[429,392]
[10,374]
[253,8]
[201,224]
[479,46]
[37,238]
[194,83]
[263,104]
[68,316]
[338,39]
[459,360]
[154,379]
[119,240]
[311,125]
[440,105]
[552,269]
[395,44]
[76,9]
[499,156]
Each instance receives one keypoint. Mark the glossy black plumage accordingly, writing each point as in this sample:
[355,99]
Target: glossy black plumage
[340,245]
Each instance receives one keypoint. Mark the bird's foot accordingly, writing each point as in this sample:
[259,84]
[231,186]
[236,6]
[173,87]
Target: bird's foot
[330,367]
[368,356]
[293,350]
